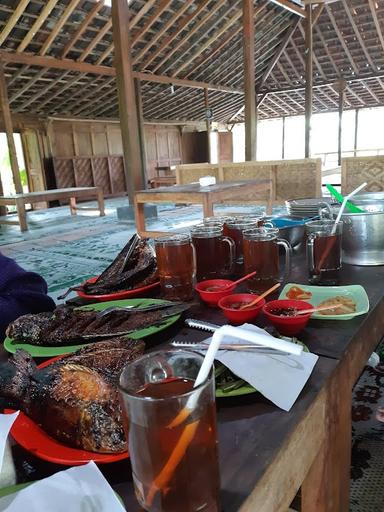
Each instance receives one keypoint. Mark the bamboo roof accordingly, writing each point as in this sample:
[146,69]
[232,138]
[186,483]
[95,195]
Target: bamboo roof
[58,57]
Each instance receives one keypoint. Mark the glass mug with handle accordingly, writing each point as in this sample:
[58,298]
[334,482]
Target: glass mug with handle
[176,263]
[215,253]
[174,465]
[324,251]
[261,254]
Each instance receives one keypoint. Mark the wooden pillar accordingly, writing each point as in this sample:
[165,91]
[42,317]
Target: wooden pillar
[308,78]
[249,80]
[140,117]
[129,123]
[6,113]
[208,123]
[341,89]
[283,140]
[356,132]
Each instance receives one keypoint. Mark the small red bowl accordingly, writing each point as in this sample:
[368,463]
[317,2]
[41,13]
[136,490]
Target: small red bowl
[237,316]
[212,298]
[287,325]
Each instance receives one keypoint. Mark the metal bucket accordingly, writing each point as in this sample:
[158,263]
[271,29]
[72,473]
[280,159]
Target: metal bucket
[363,233]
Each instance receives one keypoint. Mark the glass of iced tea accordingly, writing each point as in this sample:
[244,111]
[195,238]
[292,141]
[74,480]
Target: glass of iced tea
[324,251]
[261,253]
[174,465]
[176,263]
[234,229]
[215,253]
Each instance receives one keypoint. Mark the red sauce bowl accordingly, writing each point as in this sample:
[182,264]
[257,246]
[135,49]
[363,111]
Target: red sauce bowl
[212,297]
[237,316]
[287,325]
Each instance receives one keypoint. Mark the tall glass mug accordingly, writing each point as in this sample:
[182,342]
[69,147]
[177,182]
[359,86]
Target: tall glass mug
[234,229]
[261,253]
[324,251]
[176,263]
[174,467]
[215,253]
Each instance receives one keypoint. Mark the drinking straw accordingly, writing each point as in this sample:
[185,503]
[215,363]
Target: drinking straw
[165,475]
[351,207]
[343,204]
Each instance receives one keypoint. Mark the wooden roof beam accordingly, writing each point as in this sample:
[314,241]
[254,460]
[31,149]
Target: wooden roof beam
[183,23]
[73,38]
[290,6]
[284,43]
[60,90]
[190,33]
[45,12]
[29,83]
[372,6]
[166,26]
[347,9]
[95,87]
[58,26]
[209,42]
[163,4]
[85,67]
[341,39]
[42,91]
[317,13]
[95,41]
[371,92]
[14,18]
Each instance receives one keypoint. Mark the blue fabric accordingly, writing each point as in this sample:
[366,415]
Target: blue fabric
[21,292]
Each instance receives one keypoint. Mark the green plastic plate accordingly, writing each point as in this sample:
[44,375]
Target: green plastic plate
[47,351]
[321,293]
[247,389]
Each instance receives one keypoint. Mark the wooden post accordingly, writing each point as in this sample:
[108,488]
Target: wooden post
[356,131]
[7,118]
[249,80]
[283,140]
[308,78]
[208,123]
[341,87]
[129,123]
[140,117]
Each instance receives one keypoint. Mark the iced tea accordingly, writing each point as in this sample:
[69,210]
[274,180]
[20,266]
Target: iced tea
[215,253]
[324,251]
[176,266]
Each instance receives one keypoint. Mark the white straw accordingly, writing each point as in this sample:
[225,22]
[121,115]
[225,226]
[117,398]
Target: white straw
[343,204]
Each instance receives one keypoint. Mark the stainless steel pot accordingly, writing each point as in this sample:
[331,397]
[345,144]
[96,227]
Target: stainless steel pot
[363,233]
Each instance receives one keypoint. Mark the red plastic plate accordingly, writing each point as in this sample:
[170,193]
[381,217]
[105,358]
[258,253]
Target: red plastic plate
[126,294]
[33,439]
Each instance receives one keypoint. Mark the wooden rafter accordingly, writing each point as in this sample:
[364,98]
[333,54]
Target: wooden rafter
[60,90]
[290,6]
[58,26]
[190,33]
[73,38]
[180,27]
[163,4]
[25,88]
[372,6]
[347,9]
[40,92]
[166,26]
[342,41]
[45,12]
[317,13]
[18,11]
[284,43]
[95,41]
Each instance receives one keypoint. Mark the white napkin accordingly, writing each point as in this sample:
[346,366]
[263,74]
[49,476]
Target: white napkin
[79,489]
[280,378]
[6,422]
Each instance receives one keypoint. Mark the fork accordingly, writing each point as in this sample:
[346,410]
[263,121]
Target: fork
[259,349]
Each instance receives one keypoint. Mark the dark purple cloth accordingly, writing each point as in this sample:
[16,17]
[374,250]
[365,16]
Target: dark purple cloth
[21,292]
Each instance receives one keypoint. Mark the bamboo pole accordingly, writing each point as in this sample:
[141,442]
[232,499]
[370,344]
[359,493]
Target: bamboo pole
[129,123]
[7,118]
[249,80]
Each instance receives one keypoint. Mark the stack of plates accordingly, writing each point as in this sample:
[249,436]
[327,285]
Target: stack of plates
[303,208]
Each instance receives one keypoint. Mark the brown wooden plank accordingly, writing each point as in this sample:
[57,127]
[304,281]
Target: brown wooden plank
[58,26]
[291,7]
[308,78]
[11,22]
[45,12]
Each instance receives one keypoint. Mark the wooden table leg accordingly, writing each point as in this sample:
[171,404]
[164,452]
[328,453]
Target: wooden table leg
[139,217]
[72,205]
[327,485]
[100,200]
[207,207]
[21,213]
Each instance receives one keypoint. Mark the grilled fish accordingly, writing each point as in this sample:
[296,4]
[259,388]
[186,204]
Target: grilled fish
[66,325]
[75,399]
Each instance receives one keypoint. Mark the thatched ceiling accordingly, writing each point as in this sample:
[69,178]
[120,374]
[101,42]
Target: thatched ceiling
[197,40]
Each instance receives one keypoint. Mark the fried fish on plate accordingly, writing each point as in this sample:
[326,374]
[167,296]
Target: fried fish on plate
[75,399]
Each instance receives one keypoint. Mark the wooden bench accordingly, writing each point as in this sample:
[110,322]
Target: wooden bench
[20,200]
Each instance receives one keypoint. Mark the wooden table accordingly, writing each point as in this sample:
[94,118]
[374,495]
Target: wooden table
[193,193]
[20,200]
[267,454]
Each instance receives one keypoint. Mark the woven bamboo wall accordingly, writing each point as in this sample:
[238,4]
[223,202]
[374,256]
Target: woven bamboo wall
[357,170]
